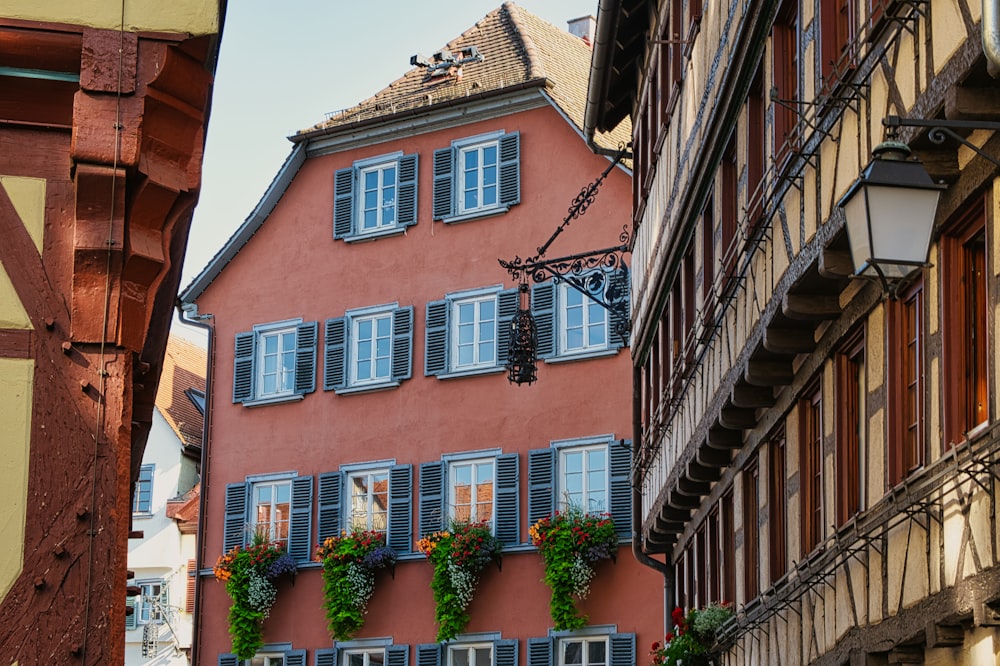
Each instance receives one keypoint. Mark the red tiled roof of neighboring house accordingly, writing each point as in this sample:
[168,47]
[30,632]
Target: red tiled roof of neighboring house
[184,367]
[518,49]
[184,509]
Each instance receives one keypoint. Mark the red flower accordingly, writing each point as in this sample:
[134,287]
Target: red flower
[656,645]
[669,637]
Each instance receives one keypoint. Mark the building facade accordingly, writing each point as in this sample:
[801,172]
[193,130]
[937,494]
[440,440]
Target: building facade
[361,324]
[817,449]
[102,115]
[165,506]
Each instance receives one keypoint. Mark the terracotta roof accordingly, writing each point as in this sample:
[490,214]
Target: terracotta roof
[184,509]
[518,48]
[184,367]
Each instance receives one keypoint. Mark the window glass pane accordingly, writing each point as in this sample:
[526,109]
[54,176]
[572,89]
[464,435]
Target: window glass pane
[490,155]
[383,326]
[270,344]
[288,342]
[389,178]
[487,309]
[572,653]
[597,653]
[483,656]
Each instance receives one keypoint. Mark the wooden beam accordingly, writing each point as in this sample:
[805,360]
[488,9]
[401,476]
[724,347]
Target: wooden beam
[789,340]
[672,514]
[941,165]
[685,502]
[769,373]
[944,635]
[737,418]
[972,103]
[725,439]
[692,488]
[835,264]
[752,397]
[811,307]
[697,471]
[712,458]
[907,654]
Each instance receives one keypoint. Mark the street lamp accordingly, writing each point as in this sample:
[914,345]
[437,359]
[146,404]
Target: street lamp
[889,213]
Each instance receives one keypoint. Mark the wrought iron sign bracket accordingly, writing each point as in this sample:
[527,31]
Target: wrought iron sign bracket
[942,130]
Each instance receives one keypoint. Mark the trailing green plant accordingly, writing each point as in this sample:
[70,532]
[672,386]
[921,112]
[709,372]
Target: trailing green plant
[249,573]
[458,556]
[349,564]
[693,636]
[570,543]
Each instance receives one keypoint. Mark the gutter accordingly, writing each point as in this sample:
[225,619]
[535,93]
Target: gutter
[991,36]
[198,321]
[600,70]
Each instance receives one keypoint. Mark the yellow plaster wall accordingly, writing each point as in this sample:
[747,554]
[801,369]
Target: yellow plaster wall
[16,378]
[194,17]
[28,197]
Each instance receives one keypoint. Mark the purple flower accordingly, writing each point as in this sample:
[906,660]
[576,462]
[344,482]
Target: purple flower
[285,564]
[381,557]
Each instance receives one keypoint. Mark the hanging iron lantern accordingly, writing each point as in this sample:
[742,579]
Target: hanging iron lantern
[522,350]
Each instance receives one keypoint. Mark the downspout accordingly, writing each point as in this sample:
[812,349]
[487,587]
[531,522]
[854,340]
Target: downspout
[198,321]
[991,36]
[637,542]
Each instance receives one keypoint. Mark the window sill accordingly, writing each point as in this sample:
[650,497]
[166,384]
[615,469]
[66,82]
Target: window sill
[374,235]
[260,402]
[142,515]
[475,215]
[366,388]
[455,374]
[582,356]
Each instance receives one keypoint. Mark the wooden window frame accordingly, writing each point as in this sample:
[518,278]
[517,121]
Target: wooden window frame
[727,525]
[756,129]
[777,502]
[811,467]
[851,425]
[785,72]
[714,556]
[729,222]
[838,29]
[906,342]
[708,253]
[751,530]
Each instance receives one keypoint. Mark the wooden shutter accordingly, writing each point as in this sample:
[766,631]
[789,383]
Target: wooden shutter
[330,489]
[406,203]
[620,505]
[243,366]
[432,517]
[335,354]
[295,658]
[326,657]
[507,304]
[541,484]
[343,202]
[444,194]
[305,358]
[192,582]
[402,343]
[510,169]
[619,290]
[300,524]
[622,650]
[397,655]
[543,309]
[540,651]
[436,338]
[228,660]
[131,620]
[505,652]
[234,530]
[508,506]
[429,654]
[399,531]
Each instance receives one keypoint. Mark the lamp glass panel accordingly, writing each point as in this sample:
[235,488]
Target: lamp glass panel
[902,219]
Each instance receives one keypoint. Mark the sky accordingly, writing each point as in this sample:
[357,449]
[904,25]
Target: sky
[284,65]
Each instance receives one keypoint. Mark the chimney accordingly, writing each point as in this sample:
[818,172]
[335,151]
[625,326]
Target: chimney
[583,28]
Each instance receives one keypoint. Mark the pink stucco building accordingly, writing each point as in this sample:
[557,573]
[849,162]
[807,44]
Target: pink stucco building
[359,324]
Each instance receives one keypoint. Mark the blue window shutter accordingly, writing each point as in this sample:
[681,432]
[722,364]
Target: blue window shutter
[436,343]
[505,652]
[305,358]
[397,655]
[619,289]
[228,660]
[243,372]
[432,517]
[444,193]
[541,484]
[131,621]
[429,654]
[540,651]
[399,531]
[330,488]
[406,203]
[326,657]
[622,650]
[295,658]
[402,343]
[300,524]
[335,354]
[510,169]
[343,202]
[543,308]
[507,304]
[236,516]
[620,462]
[508,506]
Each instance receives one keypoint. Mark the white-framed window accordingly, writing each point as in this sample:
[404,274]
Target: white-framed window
[368,349]
[150,604]
[470,654]
[369,497]
[471,490]
[142,500]
[274,362]
[365,657]
[583,651]
[477,176]
[583,477]
[375,197]
[583,322]
[267,660]
[467,332]
[271,509]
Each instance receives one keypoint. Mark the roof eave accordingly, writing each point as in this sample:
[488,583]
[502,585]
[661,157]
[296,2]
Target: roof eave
[600,67]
